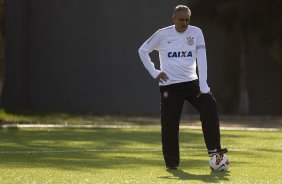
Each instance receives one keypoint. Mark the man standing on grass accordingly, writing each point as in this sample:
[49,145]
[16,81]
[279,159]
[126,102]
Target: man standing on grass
[181,49]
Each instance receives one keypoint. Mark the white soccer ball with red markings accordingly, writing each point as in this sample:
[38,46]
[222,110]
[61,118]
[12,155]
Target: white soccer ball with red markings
[219,162]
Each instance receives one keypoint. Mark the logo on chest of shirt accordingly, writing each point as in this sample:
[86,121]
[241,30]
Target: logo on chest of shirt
[179,54]
[190,40]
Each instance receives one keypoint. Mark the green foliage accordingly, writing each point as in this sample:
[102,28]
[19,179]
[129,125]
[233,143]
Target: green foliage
[72,119]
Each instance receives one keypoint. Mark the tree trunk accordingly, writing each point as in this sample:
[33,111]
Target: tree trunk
[2,46]
[243,88]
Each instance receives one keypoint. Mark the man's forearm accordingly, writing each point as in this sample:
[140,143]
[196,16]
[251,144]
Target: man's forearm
[149,65]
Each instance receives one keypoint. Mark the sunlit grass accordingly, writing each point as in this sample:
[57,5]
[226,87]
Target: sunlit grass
[132,156]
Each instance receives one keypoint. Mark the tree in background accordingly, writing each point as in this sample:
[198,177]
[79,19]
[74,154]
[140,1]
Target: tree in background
[2,44]
[239,18]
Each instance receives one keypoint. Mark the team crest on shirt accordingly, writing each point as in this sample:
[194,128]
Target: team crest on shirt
[165,95]
[190,40]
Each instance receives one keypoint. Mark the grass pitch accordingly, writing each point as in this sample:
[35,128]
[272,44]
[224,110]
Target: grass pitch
[133,156]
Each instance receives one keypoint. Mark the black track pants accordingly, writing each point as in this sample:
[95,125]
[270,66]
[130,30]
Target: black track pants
[172,100]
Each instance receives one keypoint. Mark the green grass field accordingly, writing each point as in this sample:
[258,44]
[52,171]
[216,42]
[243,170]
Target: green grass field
[132,156]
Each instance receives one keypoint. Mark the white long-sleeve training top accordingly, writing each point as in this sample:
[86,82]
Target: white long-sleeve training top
[178,53]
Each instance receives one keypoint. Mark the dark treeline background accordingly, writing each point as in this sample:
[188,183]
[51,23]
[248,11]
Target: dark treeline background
[81,56]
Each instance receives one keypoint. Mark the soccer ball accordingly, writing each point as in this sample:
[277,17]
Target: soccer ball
[219,162]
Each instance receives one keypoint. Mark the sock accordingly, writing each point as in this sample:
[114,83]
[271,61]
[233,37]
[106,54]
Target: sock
[212,152]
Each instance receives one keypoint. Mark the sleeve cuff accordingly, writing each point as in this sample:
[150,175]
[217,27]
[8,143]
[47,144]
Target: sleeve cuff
[204,88]
[156,73]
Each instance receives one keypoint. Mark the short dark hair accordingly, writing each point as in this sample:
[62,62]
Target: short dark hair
[181,8]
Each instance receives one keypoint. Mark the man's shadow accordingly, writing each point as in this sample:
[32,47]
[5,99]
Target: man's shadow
[213,177]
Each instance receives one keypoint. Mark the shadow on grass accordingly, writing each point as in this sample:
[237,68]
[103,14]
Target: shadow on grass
[130,148]
[213,177]
[70,149]
[73,139]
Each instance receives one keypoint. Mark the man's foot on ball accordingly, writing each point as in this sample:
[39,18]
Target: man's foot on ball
[217,151]
[222,151]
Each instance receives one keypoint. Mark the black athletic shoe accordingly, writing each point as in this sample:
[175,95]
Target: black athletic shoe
[171,168]
[219,151]
[222,151]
